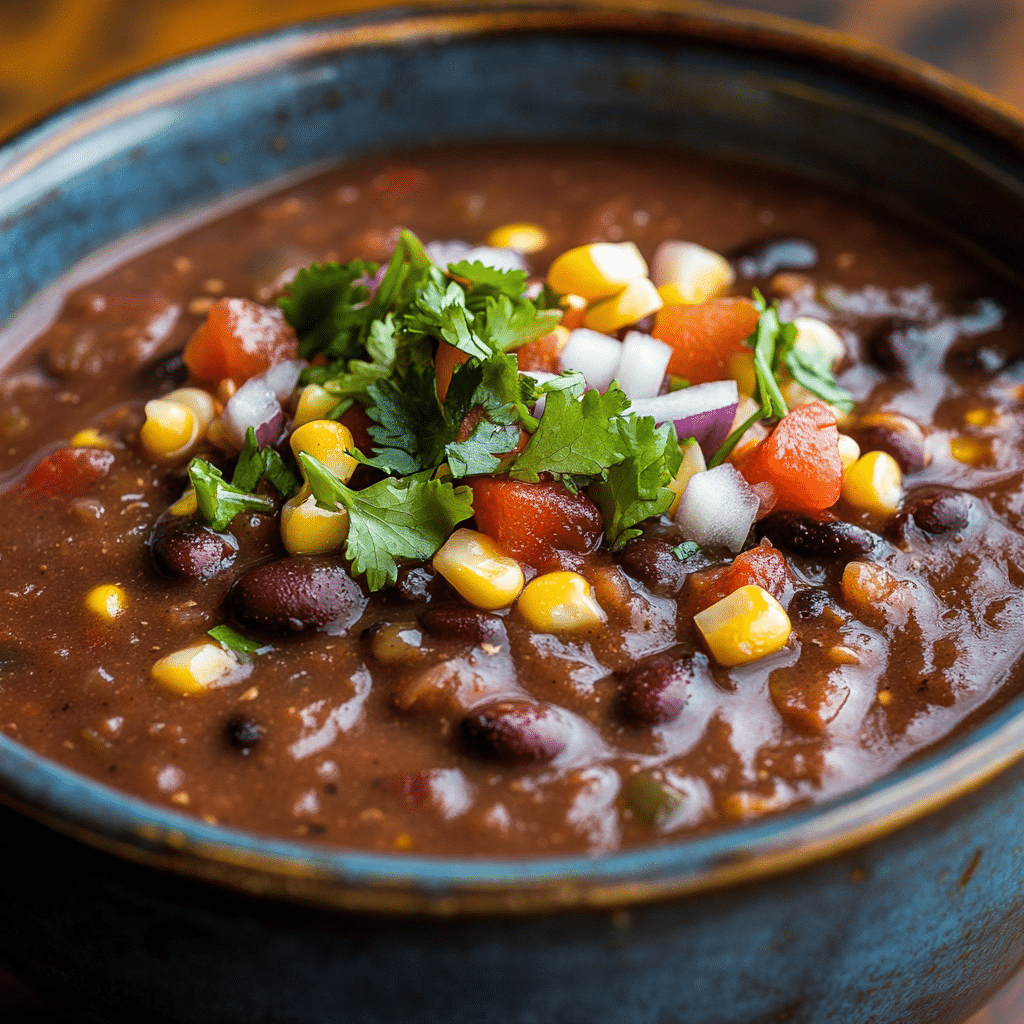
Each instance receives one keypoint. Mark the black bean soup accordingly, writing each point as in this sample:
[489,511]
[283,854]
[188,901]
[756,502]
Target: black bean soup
[627,694]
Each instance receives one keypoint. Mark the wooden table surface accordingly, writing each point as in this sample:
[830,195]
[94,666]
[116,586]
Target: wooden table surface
[55,50]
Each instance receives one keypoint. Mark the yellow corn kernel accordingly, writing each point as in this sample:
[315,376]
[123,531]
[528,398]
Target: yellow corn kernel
[525,238]
[307,529]
[560,601]
[186,505]
[970,450]
[849,451]
[745,626]
[107,601]
[197,669]
[979,417]
[170,430]
[741,369]
[315,403]
[90,437]
[201,403]
[326,441]
[596,271]
[874,484]
[693,462]
[638,299]
[690,273]
[479,569]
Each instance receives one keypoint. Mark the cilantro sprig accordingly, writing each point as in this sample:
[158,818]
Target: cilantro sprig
[405,518]
[232,640]
[217,500]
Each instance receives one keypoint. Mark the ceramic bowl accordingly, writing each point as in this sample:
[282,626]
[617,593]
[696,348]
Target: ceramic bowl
[901,902]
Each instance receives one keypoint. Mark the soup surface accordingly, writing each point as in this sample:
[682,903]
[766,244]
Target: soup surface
[868,607]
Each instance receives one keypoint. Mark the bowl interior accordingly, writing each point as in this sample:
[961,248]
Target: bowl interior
[246,115]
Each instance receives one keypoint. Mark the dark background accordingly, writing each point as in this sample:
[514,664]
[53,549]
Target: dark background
[54,50]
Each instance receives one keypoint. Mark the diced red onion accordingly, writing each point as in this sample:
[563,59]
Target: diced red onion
[718,508]
[593,354]
[642,365]
[254,405]
[703,411]
[282,378]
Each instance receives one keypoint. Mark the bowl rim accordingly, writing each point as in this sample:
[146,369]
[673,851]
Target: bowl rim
[106,819]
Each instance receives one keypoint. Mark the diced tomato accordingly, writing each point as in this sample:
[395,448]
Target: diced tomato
[446,359]
[800,459]
[542,354]
[69,472]
[399,182]
[239,339]
[764,566]
[704,336]
[534,522]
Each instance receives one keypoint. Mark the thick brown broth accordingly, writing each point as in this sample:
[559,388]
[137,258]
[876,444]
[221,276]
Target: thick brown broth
[324,739]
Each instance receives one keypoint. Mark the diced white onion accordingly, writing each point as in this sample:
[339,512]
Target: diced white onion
[595,355]
[642,365]
[254,405]
[717,508]
[282,378]
[443,253]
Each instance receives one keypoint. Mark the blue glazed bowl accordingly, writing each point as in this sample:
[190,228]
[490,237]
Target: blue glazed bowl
[901,902]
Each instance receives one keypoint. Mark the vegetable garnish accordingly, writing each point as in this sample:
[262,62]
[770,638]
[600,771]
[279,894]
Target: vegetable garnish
[406,518]
[232,640]
[217,500]
[685,550]
[256,463]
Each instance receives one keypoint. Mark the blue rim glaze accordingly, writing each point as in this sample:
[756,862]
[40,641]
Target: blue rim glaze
[105,814]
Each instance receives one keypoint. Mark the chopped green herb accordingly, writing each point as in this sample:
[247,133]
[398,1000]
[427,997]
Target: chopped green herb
[255,463]
[407,518]
[234,641]
[811,371]
[685,550]
[218,501]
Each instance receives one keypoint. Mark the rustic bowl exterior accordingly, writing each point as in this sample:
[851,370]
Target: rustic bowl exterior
[904,902]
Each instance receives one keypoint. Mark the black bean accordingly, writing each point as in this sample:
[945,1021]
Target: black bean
[516,732]
[296,594]
[655,691]
[455,623]
[183,548]
[981,360]
[897,346]
[820,538]
[810,604]
[767,258]
[898,436]
[652,563]
[417,584]
[645,325]
[935,511]
[244,733]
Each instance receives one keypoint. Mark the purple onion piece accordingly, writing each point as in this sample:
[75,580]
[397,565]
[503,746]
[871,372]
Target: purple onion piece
[703,411]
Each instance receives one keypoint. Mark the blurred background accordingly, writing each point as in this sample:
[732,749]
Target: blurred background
[52,51]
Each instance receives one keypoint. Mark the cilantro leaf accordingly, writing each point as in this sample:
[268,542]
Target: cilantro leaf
[484,282]
[576,436]
[634,489]
[352,379]
[685,550]
[232,640]
[407,518]
[409,428]
[255,463]
[812,371]
[323,303]
[218,501]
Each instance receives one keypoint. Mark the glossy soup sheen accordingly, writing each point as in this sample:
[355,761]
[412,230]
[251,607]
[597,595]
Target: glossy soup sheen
[324,740]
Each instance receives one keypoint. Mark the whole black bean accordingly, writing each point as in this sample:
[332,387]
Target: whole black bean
[516,732]
[296,594]
[455,623]
[183,548]
[897,346]
[983,360]
[652,563]
[768,258]
[243,733]
[655,691]
[809,604]
[896,435]
[934,511]
[820,538]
